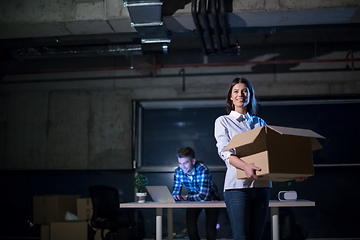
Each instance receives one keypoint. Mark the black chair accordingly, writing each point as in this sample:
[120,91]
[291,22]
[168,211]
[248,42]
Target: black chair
[106,211]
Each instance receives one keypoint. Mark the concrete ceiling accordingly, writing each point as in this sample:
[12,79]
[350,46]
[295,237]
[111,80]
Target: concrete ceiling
[72,35]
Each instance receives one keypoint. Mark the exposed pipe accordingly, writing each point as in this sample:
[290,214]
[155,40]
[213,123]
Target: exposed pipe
[198,25]
[352,58]
[182,72]
[215,21]
[154,67]
[205,20]
[135,49]
[209,9]
[224,25]
[229,64]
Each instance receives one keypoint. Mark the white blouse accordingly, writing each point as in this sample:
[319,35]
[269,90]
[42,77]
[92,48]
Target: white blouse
[226,127]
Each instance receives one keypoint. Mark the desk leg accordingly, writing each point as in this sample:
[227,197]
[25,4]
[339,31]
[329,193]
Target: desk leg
[170,223]
[275,223]
[158,224]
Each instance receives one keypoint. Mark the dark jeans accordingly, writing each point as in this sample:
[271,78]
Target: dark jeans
[247,209]
[192,216]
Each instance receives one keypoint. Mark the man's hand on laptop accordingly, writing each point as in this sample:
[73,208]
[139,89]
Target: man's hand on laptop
[180,197]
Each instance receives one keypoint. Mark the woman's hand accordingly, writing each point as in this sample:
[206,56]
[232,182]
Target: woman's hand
[300,179]
[250,170]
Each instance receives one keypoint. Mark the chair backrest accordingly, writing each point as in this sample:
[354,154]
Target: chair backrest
[105,201]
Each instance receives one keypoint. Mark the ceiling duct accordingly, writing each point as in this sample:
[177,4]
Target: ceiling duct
[210,19]
[146,18]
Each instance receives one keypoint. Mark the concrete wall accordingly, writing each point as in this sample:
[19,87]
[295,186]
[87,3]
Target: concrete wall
[76,129]
[83,120]
[56,18]
[44,18]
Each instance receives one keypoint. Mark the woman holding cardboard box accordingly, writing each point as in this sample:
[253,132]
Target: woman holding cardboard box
[247,200]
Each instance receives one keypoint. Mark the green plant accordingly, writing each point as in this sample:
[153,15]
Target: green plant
[140,182]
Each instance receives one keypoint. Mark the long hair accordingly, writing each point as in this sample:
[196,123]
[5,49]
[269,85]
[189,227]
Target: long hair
[251,107]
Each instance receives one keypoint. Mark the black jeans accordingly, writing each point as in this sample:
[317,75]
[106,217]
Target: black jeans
[192,216]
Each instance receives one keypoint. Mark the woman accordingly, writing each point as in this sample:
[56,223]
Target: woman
[247,199]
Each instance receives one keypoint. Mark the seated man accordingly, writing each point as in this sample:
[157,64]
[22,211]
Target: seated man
[196,177]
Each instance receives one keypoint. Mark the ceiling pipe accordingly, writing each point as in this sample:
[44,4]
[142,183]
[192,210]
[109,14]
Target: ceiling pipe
[182,73]
[231,64]
[213,11]
[352,58]
[215,21]
[194,5]
[42,52]
[154,67]
[205,21]
[223,21]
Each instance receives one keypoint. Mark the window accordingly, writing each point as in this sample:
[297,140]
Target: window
[163,127]
[167,126]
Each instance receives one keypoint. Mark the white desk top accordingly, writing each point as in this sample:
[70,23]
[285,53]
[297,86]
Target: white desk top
[212,204]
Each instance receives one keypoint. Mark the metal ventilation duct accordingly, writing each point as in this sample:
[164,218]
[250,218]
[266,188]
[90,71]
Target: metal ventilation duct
[86,51]
[46,52]
[147,19]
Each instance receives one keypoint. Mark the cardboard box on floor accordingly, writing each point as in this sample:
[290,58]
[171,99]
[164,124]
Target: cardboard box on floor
[71,230]
[45,232]
[50,208]
[79,230]
[84,208]
[282,153]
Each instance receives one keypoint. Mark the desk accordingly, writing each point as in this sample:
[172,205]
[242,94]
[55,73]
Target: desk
[273,204]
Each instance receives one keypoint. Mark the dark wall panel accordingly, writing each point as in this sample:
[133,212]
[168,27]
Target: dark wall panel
[337,121]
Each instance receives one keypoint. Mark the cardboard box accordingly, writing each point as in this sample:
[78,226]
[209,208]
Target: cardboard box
[282,153]
[50,208]
[45,232]
[84,208]
[71,230]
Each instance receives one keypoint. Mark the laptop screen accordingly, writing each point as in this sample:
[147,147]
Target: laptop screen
[160,194]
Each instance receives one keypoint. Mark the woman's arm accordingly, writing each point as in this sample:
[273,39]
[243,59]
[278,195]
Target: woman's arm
[222,139]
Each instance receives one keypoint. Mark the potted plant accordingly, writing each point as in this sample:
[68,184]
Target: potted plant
[140,183]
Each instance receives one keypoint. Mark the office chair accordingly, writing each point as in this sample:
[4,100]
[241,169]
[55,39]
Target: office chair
[106,211]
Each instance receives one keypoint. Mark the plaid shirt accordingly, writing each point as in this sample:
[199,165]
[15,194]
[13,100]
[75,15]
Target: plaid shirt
[200,184]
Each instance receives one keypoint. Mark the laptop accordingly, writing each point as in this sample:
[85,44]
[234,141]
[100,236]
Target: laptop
[160,194]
